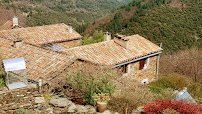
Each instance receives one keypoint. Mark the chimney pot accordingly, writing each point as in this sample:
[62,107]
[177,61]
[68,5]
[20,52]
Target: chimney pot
[15,21]
[107,36]
[17,43]
[70,27]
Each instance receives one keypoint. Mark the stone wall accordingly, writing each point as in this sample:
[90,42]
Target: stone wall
[12,100]
[70,44]
[86,68]
[144,75]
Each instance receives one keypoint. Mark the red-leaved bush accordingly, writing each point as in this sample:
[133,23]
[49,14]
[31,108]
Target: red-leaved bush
[180,106]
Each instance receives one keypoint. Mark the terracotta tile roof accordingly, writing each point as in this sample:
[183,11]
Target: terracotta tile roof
[40,63]
[8,25]
[111,53]
[41,34]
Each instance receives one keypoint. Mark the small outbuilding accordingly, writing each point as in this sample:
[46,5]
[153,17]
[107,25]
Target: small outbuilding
[183,94]
[16,76]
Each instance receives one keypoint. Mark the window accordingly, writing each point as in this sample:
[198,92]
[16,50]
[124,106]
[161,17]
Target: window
[144,63]
[126,68]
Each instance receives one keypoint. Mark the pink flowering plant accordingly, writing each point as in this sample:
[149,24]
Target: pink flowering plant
[180,106]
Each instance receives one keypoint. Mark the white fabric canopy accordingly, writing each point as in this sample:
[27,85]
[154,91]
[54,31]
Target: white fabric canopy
[14,64]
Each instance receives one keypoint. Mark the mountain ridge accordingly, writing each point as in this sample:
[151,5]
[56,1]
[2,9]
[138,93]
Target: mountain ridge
[175,23]
[44,12]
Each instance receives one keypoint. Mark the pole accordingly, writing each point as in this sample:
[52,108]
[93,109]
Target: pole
[157,61]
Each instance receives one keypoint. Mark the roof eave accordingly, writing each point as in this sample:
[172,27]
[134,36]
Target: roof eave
[153,54]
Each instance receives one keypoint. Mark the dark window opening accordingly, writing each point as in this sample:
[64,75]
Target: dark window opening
[125,68]
[142,63]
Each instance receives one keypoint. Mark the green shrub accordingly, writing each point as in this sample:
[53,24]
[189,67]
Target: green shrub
[176,81]
[173,81]
[46,96]
[195,89]
[2,80]
[90,86]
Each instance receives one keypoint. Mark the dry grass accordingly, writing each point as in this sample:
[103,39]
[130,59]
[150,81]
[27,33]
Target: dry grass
[131,94]
[177,4]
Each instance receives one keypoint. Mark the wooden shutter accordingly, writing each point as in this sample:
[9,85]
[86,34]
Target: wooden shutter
[142,62]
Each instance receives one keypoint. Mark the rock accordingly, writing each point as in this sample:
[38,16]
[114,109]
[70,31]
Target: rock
[61,102]
[39,100]
[81,109]
[25,99]
[27,105]
[106,112]
[2,92]
[90,109]
[31,85]
[22,91]
[72,108]
[50,110]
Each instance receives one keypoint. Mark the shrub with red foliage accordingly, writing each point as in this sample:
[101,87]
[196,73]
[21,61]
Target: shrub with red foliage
[180,106]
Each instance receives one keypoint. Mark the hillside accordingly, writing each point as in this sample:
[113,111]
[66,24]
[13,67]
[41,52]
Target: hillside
[175,23]
[43,12]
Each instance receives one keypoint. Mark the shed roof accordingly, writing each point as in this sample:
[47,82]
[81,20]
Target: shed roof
[40,62]
[111,53]
[14,64]
[41,34]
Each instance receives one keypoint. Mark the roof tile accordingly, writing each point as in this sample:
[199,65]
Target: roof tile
[7,25]
[41,34]
[111,53]
[39,61]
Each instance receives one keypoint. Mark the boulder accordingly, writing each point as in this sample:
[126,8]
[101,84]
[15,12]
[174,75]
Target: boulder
[81,109]
[60,102]
[107,112]
[72,108]
[90,109]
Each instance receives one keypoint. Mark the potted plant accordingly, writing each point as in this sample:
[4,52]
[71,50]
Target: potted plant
[101,100]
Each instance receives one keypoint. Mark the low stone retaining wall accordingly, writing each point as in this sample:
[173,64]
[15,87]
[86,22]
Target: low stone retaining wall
[13,100]
[29,99]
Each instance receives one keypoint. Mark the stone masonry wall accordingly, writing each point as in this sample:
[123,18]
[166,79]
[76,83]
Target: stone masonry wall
[70,44]
[147,73]
[87,69]
[12,100]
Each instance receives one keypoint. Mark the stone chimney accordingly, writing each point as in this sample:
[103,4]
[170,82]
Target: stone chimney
[70,28]
[17,43]
[107,36]
[121,40]
[15,21]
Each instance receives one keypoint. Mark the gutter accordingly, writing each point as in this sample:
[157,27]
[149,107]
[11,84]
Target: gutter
[153,54]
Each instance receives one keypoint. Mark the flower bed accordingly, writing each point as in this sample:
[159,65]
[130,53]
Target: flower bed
[158,106]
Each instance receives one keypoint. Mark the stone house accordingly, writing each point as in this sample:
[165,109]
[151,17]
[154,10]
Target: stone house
[123,56]
[132,56]
[56,36]
[10,24]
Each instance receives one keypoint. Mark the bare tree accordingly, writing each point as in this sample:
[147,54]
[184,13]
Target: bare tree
[187,62]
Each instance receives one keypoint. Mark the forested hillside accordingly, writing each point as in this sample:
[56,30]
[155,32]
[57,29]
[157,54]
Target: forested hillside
[175,23]
[44,12]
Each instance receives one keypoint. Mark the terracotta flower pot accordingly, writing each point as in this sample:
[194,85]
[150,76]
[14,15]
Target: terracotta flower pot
[101,106]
